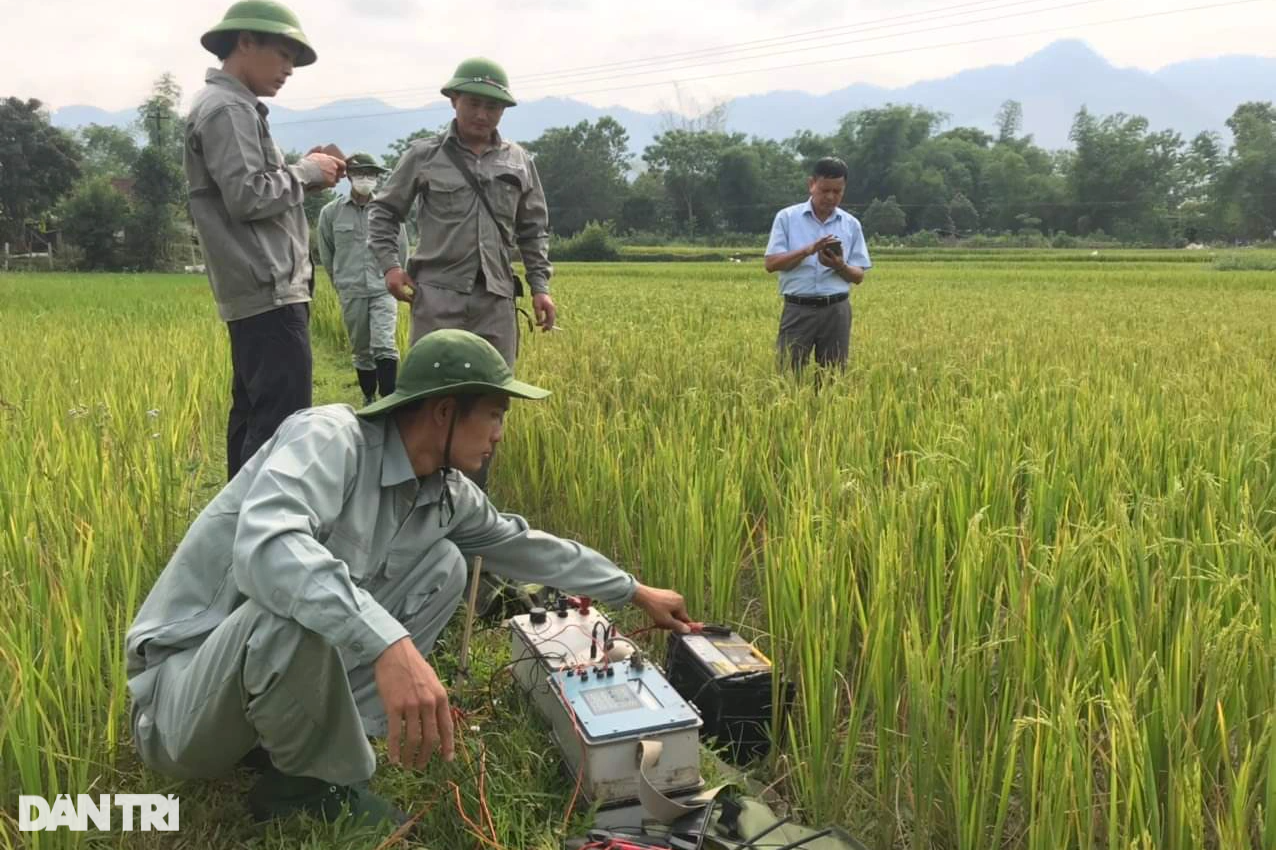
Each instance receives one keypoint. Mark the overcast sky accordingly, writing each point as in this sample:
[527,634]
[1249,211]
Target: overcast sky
[107,53]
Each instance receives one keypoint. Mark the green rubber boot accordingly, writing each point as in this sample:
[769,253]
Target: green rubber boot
[277,795]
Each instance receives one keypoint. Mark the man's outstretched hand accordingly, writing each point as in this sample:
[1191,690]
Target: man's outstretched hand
[666,608]
[416,705]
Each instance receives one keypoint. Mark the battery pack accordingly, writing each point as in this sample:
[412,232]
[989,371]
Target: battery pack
[730,683]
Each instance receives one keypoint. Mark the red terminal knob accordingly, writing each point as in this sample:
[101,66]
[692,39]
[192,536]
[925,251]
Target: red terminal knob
[584,604]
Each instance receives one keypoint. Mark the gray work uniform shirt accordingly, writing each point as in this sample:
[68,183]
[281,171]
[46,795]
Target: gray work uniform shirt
[246,202]
[344,251]
[458,238]
[322,516]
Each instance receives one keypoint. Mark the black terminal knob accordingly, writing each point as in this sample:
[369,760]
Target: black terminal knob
[539,616]
[562,606]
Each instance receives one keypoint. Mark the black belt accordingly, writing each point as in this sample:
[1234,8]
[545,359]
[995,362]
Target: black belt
[815,300]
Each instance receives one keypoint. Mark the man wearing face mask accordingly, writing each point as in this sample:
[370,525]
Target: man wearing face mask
[370,313]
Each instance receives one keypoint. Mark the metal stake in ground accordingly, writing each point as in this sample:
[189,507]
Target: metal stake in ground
[463,662]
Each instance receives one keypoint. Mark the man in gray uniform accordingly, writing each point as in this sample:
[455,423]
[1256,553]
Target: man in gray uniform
[297,612]
[247,206]
[478,197]
[371,314]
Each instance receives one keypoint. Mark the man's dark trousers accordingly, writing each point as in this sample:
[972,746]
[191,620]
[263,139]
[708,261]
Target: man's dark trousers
[820,328]
[270,357]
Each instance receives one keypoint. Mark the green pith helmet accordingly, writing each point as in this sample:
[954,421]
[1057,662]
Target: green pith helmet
[264,16]
[364,162]
[452,362]
[482,77]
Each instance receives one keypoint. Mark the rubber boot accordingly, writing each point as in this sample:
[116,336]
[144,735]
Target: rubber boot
[277,795]
[387,375]
[368,383]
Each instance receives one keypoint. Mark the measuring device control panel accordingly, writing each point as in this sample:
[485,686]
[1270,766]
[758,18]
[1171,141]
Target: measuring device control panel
[621,701]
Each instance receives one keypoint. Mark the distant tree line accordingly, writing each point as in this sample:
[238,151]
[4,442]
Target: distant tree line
[121,202]
[115,196]
[909,174]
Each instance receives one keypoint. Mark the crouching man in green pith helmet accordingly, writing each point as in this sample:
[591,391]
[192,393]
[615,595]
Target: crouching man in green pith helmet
[370,313]
[297,613]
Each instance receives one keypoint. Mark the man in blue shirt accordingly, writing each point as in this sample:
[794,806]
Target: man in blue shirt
[819,251]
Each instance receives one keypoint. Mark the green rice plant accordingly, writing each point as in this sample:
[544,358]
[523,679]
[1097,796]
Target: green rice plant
[1246,261]
[1017,560]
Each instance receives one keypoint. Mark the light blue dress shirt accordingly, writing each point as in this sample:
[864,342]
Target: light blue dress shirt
[796,227]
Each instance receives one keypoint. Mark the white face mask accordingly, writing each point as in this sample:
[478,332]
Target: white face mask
[364,185]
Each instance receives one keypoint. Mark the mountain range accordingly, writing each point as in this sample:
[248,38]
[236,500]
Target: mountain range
[1052,84]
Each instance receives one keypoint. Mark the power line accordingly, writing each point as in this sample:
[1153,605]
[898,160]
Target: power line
[804,35]
[837,60]
[1045,31]
[842,43]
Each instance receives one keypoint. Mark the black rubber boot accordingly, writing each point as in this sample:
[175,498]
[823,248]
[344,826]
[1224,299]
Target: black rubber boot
[277,795]
[368,383]
[256,760]
[387,375]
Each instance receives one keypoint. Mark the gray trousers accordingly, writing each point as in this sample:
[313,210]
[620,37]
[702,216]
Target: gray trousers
[824,331]
[370,323]
[262,679]
[478,311]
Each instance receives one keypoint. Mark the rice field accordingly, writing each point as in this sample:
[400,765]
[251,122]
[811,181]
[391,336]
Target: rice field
[1019,560]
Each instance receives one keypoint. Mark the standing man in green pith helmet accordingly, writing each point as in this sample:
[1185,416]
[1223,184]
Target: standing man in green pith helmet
[299,612]
[371,314]
[247,206]
[478,198]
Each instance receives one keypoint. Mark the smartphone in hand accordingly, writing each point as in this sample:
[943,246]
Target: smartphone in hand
[834,248]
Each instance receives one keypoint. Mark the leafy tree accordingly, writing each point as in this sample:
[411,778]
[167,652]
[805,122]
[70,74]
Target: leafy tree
[159,119]
[741,188]
[154,226]
[645,207]
[688,163]
[884,218]
[1199,209]
[93,218]
[872,142]
[158,187]
[583,171]
[400,146]
[1121,173]
[963,215]
[39,164]
[1248,181]
[754,181]
[108,151]
[592,244]
[934,216]
[970,135]
[1009,122]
